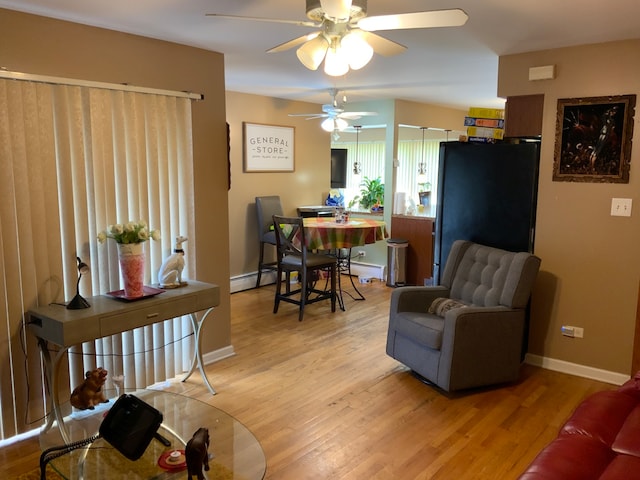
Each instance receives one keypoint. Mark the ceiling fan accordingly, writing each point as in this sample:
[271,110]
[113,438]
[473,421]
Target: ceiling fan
[334,114]
[345,39]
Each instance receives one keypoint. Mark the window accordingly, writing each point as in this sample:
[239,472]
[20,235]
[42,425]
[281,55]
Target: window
[368,149]
[75,159]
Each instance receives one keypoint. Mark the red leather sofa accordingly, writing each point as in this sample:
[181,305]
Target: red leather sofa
[601,440]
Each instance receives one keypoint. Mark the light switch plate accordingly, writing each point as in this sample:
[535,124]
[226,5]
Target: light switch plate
[621,207]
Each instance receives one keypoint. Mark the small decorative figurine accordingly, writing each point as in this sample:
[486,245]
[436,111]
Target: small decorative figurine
[89,393]
[197,454]
[170,273]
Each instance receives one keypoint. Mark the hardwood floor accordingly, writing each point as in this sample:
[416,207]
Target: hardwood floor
[326,402]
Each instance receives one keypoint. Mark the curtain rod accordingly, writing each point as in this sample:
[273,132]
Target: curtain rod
[88,83]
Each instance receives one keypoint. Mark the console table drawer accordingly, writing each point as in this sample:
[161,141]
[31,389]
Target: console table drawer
[146,315]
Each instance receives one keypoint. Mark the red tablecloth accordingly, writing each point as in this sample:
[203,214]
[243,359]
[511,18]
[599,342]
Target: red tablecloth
[323,233]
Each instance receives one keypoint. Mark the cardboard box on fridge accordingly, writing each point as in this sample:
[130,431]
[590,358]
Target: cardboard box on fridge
[484,122]
[497,133]
[479,112]
[480,140]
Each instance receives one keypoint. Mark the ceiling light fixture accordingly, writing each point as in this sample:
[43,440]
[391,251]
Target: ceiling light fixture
[338,9]
[422,166]
[356,49]
[313,52]
[333,124]
[336,63]
[340,47]
[340,53]
[356,164]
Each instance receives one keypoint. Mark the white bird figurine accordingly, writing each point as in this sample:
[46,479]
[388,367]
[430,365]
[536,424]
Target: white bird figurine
[170,273]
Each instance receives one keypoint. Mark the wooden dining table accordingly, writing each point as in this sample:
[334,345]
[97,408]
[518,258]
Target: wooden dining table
[324,233]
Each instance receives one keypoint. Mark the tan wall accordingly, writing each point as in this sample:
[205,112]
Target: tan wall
[421,115]
[308,184]
[590,260]
[39,45]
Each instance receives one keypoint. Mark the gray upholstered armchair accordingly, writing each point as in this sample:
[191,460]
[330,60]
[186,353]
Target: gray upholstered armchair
[472,335]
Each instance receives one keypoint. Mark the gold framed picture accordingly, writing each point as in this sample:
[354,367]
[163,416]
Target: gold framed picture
[593,139]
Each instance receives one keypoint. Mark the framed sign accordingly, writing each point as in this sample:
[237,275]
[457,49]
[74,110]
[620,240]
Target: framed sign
[593,139]
[268,148]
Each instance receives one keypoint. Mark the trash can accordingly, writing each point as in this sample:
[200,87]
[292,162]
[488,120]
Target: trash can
[397,262]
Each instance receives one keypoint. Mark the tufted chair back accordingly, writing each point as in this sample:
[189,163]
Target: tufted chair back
[487,277]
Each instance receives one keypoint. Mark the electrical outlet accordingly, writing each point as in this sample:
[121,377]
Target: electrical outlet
[572,332]
[567,331]
[362,253]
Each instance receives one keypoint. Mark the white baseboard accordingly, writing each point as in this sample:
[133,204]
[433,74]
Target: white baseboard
[248,281]
[219,354]
[578,370]
[368,270]
[245,282]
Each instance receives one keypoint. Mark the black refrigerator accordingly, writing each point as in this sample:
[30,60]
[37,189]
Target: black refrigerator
[487,194]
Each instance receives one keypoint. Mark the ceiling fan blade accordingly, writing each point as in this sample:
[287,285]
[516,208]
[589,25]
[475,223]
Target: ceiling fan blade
[435,18]
[383,46]
[293,43]
[356,115]
[300,23]
[311,116]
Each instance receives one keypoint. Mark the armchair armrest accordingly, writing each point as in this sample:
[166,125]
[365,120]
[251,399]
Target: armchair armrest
[415,299]
[481,346]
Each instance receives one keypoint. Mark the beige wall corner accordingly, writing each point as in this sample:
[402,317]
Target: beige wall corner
[307,184]
[590,260]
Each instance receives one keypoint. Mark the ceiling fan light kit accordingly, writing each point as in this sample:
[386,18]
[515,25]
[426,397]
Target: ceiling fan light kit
[358,51]
[313,52]
[352,51]
[344,10]
[335,62]
[345,39]
[334,124]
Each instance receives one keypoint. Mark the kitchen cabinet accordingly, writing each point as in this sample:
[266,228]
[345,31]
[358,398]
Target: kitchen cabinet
[418,231]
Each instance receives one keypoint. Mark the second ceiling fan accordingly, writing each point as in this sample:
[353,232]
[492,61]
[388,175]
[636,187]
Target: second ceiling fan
[345,39]
[334,114]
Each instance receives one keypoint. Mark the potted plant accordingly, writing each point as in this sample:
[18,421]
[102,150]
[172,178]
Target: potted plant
[372,194]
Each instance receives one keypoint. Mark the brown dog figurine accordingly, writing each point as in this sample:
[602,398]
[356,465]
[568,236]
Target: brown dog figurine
[196,453]
[89,393]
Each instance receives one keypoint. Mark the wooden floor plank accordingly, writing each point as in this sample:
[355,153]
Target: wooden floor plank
[326,402]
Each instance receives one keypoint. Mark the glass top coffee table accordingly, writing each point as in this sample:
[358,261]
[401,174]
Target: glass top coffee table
[233,450]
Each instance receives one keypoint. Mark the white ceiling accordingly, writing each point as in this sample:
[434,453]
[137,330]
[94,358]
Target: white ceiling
[448,66]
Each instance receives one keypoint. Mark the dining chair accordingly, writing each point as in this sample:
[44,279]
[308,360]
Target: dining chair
[294,257]
[266,207]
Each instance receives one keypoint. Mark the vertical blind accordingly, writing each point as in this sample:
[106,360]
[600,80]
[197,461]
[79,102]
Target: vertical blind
[74,160]
[410,154]
[371,157]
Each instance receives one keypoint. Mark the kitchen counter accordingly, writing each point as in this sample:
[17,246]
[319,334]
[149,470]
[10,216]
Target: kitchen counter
[418,230]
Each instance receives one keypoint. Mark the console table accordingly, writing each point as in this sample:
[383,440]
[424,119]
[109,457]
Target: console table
[54,324]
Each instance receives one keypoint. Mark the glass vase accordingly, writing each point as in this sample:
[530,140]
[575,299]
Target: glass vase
[131,257]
